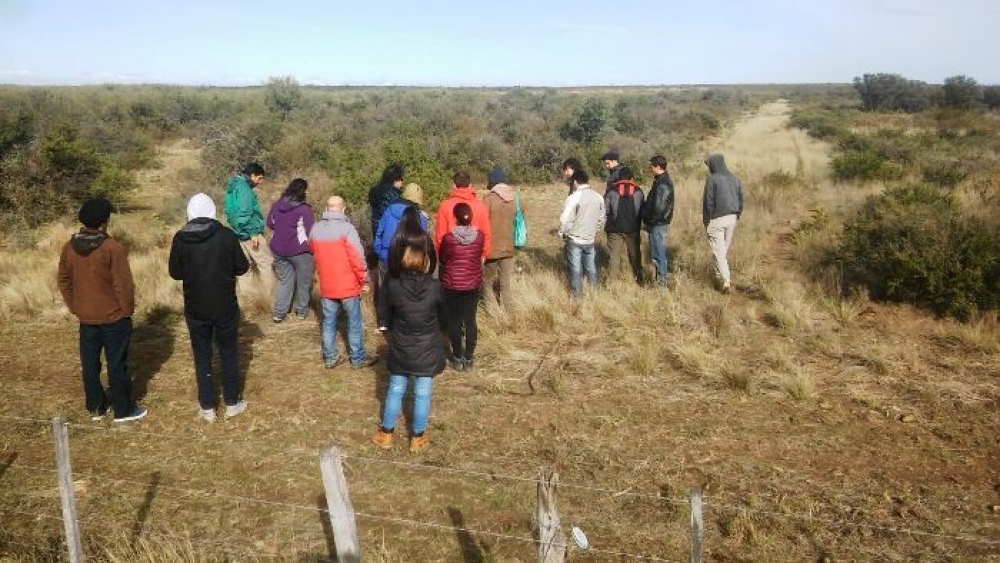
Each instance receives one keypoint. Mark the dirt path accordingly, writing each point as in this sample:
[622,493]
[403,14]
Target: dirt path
[178,163]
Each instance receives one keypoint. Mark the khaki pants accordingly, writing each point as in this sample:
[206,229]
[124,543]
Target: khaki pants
[261,267]
[620,245]
[720,236]
[496,280]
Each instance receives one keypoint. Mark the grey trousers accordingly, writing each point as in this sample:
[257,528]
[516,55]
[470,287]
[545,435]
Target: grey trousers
[294,275]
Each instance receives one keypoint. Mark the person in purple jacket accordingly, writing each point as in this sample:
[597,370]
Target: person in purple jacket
[291,219]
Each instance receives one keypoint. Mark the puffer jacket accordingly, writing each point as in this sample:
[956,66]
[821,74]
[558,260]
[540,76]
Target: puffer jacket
[723,191]
[411,307]
[461,259]
[339,256]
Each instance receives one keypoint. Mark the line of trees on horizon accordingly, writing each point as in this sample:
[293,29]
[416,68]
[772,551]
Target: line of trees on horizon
[893,92]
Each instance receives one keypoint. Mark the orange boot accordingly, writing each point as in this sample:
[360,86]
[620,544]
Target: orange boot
[382,439]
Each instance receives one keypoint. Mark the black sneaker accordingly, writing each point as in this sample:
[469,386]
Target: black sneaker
[368,362]
[136,414]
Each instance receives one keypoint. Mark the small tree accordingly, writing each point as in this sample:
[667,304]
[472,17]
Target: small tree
[962,92]
[282,95]
[891,92]
[588,123]
[991,96]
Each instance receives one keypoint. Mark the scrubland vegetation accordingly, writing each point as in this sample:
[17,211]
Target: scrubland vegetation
[821,422]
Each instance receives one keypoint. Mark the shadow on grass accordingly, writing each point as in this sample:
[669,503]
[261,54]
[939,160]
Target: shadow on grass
[471,551]
[152,345]
[147,505]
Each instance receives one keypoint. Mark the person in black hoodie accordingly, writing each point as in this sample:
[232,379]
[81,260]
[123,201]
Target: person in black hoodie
[622,202]
[657,212]
[410,309]
[206,256]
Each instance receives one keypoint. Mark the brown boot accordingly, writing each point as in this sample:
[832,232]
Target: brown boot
[418,443]
[382,439]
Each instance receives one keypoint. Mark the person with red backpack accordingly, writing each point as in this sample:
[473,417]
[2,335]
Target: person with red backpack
[623,201]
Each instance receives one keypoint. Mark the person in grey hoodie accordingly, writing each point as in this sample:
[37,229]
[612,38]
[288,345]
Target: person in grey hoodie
[722,205]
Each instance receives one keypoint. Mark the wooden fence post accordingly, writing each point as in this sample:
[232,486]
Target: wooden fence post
[696,525]
[338,504]
[66,495]
[551,539]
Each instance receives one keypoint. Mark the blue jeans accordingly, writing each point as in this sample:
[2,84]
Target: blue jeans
[421,401]
[580,259]
[113,339]
[658,252]
[355,328]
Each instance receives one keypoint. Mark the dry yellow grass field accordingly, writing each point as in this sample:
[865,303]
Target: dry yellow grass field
[819,427]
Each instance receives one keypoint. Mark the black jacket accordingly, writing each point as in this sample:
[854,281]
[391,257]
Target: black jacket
[622,203]
[207,257]
[658,209]
[723,191]
[411,306]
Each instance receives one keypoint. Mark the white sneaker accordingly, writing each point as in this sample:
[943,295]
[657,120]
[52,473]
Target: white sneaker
[233,410]
[207,414]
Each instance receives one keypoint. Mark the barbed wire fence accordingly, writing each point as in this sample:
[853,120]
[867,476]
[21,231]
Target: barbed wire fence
[57,529]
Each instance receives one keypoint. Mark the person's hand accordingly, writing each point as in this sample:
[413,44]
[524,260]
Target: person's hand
[255,242]
[365,288]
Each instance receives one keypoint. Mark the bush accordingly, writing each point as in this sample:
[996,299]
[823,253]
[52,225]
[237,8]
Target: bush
[891,92]
[962,92]
[944,174]
[910,245]
[858,164]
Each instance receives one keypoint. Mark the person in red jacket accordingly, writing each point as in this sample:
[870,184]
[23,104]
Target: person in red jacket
[461,278]
[462,192]
[343,276]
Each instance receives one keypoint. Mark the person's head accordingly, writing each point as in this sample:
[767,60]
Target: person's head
[255,173]
[610,159]
[393,174]
[413,193]
[95,213]
[409,223]
[200,206]
[626,173]
[496,176]
[296,190]
[461,180]
[409,234]
[579,178]
[658,164]
[569,166]
[336,203]
[463,214]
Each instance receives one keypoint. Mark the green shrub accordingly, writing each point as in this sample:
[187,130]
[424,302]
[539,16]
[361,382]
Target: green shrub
[857,165]
[944,174]
[910,245]
[113,183]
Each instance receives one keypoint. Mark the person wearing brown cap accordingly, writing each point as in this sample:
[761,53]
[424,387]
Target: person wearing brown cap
[95,281]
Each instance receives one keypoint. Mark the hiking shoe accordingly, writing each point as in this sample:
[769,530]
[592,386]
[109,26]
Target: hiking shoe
[368,362]
[233,410]
[207,414]
[420,442]
[457,364]
[382,439]
[727,287]
[99,414]
[330,364]
[136,414]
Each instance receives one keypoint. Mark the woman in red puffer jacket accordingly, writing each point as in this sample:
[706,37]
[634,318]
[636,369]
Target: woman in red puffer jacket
[461,278]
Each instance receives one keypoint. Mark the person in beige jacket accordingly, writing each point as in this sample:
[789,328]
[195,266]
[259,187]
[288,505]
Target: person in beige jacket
[500,206]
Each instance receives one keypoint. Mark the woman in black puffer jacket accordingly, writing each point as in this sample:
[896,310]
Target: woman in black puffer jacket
[410,307]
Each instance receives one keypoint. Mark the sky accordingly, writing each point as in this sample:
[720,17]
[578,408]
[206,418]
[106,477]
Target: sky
[495,43]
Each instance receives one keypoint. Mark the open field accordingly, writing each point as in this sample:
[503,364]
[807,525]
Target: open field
[819,427]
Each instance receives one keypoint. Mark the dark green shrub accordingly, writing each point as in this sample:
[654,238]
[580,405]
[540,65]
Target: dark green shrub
[910,245]
[891,92]
[819,126]
[857,165]
[962,92]
[944,174]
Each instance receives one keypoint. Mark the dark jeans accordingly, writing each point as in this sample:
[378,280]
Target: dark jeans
[225,333]
[114,339]
[460,309]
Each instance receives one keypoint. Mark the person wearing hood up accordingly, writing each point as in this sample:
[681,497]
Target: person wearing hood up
[95,281]
[207,258]
[722,205]
[291,220]
[462,191]
[462,277]
[410,308]
[501,203]
[412,196]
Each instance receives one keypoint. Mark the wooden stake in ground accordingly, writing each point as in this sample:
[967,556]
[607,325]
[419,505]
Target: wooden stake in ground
[66,495]
[338,503]
[696,525]
[551,539]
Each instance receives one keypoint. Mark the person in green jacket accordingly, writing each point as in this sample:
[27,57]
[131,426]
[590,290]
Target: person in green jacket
[246,219]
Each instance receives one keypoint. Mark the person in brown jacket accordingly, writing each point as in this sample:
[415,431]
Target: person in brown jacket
[500,206]
[96,283]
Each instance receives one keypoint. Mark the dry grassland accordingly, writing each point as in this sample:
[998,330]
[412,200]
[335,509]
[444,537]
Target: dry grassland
[819,427]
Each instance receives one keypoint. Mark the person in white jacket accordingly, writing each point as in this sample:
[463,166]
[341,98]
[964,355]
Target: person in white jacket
[582,218]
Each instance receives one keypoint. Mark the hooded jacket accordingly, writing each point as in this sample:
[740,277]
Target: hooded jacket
[461,259]
[658,209]
[242,208]
[500,207]
[291,221]
[623,202]
[446,217]
[723,191]
[339,256]
[207,258]
[380,197]
[411,307]
[95,279]
[389,223]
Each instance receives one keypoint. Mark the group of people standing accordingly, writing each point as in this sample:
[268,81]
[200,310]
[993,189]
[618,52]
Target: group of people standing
[623,212]
[421,280]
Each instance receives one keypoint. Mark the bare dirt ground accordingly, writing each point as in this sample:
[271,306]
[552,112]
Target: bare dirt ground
[875,438]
